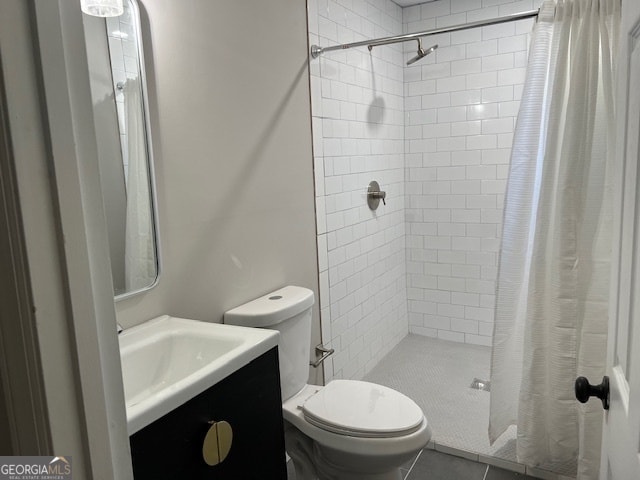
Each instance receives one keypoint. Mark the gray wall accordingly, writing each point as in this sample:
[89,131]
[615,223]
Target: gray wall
[229,95]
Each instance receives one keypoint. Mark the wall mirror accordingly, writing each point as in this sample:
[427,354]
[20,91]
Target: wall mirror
[118,89]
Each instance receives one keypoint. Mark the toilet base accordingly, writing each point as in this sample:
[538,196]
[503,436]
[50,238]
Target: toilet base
[316,462]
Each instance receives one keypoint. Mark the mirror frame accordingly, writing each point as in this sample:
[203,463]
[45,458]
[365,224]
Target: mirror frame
[135,11]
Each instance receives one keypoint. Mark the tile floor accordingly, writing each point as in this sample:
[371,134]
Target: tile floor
[437,375]
[433,465]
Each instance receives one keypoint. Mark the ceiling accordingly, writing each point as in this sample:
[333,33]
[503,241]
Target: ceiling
[408,3]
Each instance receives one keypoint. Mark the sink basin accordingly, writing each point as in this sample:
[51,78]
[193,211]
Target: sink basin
[167,361]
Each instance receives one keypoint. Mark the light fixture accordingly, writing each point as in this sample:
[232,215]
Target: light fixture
[102,8]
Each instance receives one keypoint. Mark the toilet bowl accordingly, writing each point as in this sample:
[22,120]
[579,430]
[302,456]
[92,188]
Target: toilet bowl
[346,430]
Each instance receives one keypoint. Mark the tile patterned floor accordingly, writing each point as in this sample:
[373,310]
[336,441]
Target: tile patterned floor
[437,375]
[433,465]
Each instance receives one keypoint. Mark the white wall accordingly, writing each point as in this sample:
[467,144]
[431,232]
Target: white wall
[358,127]
[230,118]
[461,105]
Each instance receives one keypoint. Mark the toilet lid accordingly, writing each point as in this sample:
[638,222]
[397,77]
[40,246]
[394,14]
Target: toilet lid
[362,409]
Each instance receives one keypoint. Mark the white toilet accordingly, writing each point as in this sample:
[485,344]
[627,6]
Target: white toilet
[346,430]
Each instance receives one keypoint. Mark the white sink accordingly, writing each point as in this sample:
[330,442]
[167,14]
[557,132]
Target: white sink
[167,361]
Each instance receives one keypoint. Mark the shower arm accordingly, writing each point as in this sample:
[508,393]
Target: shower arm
[317,50]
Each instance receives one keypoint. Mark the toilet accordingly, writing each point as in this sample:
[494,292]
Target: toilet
[346,430]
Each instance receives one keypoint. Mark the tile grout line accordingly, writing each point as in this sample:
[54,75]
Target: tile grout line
[413,464]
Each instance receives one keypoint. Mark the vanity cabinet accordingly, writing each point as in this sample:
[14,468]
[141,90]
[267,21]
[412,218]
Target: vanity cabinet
[249,401]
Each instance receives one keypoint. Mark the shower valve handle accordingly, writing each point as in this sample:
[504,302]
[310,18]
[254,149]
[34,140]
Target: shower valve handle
[374,195]
[380,195]
[584,390]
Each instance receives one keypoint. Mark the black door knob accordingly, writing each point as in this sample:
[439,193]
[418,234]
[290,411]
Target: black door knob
[584,390]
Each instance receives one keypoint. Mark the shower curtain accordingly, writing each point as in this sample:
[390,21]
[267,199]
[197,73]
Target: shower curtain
[553,276]
[140,262]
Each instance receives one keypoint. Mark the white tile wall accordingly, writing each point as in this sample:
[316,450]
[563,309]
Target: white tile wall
[437,136]
[359,130]
[455,191]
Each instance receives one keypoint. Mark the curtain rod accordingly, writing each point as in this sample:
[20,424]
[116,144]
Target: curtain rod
[316,50]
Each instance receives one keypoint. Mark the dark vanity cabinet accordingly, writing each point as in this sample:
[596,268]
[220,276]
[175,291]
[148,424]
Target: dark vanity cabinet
[251,442]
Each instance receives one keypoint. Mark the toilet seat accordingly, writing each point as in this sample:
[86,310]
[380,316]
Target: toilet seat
[362,409]
[292,410]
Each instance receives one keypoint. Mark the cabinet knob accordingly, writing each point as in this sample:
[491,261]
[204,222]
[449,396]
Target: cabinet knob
[217,443]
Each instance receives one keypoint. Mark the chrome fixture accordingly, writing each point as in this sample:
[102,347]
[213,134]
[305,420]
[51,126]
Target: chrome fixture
[316,50]
[374,195]
[324,352]
[421,52]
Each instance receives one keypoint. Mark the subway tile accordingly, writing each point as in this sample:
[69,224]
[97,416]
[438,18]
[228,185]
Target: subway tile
[436,100]
[451,284]
[451,144]
[465,243]
[501,61]
[500,156]
[476,313]
[451,336]
[453,84]
[451,173]
[512,44]
[466,97]
[471,35]
[481,142]
[437,70]
[481,112]
[485,79]
[497,94]
[481,172]
[466,158]
[467,187]
[466,128]
[463,325]
[437,322]
[512,76]
[466,299]
[452,114]
[508,108]
[482,49]
[497,31]
[463,67]
[449,20]
[436,159]
[468,215]
[466,271]
[435,9]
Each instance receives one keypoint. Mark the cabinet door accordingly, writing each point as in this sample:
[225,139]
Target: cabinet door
[249,400]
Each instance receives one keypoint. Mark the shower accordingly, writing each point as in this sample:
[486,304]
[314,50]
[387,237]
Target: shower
[421,53]
[421,271]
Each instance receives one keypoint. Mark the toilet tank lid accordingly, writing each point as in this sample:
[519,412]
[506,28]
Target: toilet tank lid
[271,309]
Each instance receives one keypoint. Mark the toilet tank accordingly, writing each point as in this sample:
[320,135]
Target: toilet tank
[287,310]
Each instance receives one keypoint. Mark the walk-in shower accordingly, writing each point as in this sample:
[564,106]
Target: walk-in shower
[425,263]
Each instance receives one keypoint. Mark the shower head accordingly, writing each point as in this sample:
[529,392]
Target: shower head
[422,52]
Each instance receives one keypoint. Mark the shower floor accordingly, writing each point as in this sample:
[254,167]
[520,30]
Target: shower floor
[437,375]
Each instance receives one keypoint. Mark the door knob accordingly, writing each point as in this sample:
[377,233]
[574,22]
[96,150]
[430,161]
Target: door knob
[584,390]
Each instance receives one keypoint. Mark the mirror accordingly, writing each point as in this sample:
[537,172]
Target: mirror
[118,90]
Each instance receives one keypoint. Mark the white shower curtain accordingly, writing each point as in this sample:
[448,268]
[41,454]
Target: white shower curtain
[140,260]
[553,278]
